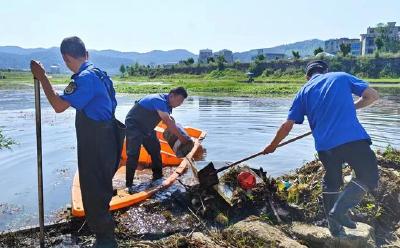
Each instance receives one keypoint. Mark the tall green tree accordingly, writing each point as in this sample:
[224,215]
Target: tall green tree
[390,43]
[379,43]
[138,70]
[318,50]
[190,61]
[257,66]
[236,64]
[220,62]
[260,57]
[122,69]
[296,55]
[345,49]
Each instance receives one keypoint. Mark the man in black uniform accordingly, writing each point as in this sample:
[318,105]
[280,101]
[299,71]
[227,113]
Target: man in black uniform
[92,94]
[141,121]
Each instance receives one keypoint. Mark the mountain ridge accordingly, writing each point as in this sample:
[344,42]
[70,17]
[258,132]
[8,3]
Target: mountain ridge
[15,57]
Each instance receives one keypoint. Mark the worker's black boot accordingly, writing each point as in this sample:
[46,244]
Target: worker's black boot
[156,166]
[157,175]
[157,171]
[349,198]
[329,199]
[157,179]
[105,241]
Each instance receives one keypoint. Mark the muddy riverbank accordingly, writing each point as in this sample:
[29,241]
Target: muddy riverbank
[267,216]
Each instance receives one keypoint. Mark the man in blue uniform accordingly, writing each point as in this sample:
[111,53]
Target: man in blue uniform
[140,123]
[92,94]
[327,101]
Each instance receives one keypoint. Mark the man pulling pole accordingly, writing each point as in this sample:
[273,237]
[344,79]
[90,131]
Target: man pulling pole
[92,94]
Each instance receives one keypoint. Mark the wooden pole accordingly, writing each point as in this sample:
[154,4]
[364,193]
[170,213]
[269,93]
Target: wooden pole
[39,159]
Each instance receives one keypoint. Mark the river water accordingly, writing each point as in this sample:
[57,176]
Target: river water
[236,127]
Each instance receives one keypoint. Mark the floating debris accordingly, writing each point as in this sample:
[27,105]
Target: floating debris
[9,209]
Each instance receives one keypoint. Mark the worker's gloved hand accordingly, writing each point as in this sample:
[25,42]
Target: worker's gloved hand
[38,70]
[269,149]
[186,140]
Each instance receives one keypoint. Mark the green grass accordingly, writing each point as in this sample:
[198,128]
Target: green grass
[219,88]
[228,82]
[383,80]
[302,80]
[231,82]
[18,80]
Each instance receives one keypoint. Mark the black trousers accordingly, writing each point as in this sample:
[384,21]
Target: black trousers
[360,158]
[97,163]
[134,139]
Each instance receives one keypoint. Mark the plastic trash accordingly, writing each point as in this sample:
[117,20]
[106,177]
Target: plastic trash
[283,185]
[246,180]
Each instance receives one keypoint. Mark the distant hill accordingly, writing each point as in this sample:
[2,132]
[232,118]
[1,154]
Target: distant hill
[20,50]
[305,48]
[110,60]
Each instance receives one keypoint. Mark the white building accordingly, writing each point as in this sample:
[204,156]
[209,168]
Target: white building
[368,40]
[269,56]
[227,54]
[332,46]
[204,55]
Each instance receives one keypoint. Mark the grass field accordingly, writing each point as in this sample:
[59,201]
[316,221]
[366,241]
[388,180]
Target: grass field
[228,82]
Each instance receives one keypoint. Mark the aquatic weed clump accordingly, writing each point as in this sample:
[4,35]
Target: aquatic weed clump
[390,157]
[302,189]
[6,142]
[380,209]
[230,177]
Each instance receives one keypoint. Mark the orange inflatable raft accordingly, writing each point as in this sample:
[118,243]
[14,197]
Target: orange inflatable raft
[123,199]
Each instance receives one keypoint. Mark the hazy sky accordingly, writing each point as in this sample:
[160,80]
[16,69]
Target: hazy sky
[132,25]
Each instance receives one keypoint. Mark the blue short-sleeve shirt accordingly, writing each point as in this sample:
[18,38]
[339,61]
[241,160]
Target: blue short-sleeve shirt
[156,102]
[88,93]
[327,101]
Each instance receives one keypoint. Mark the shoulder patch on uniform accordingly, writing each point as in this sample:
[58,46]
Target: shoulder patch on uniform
[70,88]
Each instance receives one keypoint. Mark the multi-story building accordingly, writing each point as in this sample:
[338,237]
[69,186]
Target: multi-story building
[54,69]
[368,40]
[269,56]
[227,54]
[355,48]
[332,46]
[204,55]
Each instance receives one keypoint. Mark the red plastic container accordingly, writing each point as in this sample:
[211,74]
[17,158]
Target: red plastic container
[246,180]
